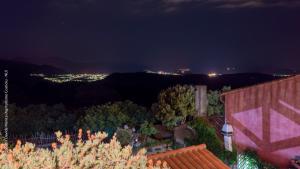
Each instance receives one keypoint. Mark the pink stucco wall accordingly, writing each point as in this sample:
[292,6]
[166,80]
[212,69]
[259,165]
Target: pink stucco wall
[266,118]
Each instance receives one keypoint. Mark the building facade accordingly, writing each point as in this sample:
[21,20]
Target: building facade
[266,118]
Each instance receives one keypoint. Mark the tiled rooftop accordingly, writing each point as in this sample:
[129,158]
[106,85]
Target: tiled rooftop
[193,157]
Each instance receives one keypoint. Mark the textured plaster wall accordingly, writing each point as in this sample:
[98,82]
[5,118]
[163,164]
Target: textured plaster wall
[266,118]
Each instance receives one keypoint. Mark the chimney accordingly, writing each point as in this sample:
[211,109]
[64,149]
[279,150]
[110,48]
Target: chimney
[201,100]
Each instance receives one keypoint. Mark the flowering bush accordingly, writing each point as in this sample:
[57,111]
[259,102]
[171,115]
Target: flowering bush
[92,153]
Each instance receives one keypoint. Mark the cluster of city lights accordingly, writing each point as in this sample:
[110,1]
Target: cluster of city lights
[281,75]
[213,74]
[62,78]
[162,72]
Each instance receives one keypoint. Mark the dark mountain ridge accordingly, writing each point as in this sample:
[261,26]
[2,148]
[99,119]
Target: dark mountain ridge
[142,88]
[24,68]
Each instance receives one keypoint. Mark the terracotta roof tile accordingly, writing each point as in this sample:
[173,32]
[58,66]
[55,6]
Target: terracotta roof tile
[193,157]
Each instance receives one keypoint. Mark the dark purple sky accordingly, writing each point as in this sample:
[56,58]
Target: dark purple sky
[133,35]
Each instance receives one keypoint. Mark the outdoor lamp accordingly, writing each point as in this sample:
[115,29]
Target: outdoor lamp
[227,131]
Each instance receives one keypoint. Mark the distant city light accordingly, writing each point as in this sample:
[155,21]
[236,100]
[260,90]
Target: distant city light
[62,78]
[161,72]
[37,75]
[184,71]
[281,75]
[181,71]
[212,74]
[230,68]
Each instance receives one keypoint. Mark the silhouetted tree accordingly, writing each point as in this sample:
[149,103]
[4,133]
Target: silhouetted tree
[174,105]
[215,106]
[147,129]
[110,116]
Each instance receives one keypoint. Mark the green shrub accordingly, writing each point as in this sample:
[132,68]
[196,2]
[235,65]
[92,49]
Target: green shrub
[110,116]
[215,106]
[250,160]
[177,146]
[124,136]
[174,105]
[38,118]
[2,139]
[151,142]
[147,129]
[207,134]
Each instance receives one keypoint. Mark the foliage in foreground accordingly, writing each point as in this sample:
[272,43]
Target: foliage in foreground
[2,139]
[147,129]
[215,106]
[110,116]
[250,160]
[90,154]
[207,134]
[174,105]
[44,118]
[35,118]
[124,136]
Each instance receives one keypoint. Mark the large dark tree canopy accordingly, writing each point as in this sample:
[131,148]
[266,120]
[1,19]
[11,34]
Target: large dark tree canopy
[110,116]
[175,104]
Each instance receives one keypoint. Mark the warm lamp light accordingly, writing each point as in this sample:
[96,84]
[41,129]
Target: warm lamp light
[212,74]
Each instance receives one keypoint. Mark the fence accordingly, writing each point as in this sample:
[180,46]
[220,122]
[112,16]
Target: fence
[40,140]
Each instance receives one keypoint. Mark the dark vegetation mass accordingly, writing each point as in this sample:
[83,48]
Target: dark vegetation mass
[71,101]
[141,88]
[137,100]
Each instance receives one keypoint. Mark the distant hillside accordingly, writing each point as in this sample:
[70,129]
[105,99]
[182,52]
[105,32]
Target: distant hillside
[22,68]
[146,79]
[59,62]
[142,88]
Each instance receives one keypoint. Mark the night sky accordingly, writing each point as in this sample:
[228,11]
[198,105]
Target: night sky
[133,35]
